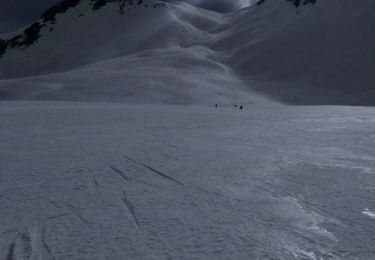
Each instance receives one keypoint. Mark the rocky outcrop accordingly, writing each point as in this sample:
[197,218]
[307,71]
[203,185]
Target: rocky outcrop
[296,3]
[3,47]
[62,7]
[97,4]
[30,35]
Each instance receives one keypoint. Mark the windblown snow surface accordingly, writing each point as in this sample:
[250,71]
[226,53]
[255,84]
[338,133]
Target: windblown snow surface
[112,147]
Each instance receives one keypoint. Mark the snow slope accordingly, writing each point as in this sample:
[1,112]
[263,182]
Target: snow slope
[116,181]
[154,60]
[321,53]
[316,54]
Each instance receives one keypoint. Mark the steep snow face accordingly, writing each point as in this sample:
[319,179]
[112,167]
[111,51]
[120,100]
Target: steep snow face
[320,53]
[299,52]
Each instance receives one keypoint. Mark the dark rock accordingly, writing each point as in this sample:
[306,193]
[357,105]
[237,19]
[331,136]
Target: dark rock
[3,47]
[62,7]
[296,3]
[31,34]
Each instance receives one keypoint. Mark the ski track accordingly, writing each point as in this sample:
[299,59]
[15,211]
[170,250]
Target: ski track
[130,209]
[44,242]
[120,173]
[78,216]
[157,172]
[59,216]
[10,255]
[162,174]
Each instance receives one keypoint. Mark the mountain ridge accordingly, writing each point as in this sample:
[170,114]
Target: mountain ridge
[294,52]
[32,33]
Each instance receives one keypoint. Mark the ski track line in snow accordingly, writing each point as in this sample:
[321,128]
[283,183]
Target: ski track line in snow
[71,208]
[131,159]
[159,173]
[27,244]
[44,242]
[130,208]
[22,247]
[95,185]
[119,172]
[59,216]
[10,255]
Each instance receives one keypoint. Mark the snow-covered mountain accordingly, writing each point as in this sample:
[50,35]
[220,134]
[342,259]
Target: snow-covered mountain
[320,53]
[210,180]
[304,52]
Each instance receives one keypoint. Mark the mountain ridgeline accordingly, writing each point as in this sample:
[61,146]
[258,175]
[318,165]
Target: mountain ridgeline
[32,33]
[304,52]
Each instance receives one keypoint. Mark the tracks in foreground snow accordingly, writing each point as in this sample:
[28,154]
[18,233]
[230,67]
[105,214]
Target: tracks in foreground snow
[200,183]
